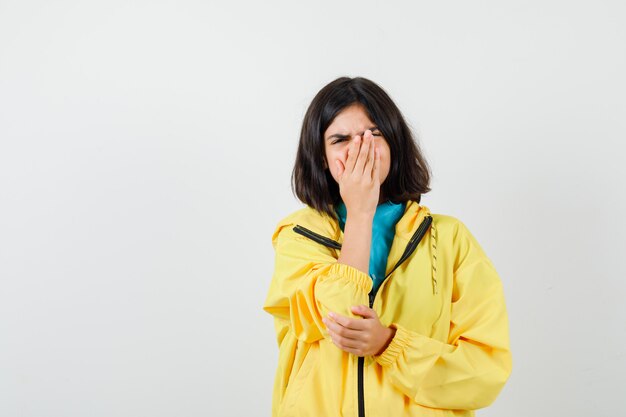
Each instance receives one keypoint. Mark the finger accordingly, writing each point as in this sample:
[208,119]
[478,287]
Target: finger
[353,152]
[363,152]
[339,330]
[344,343]
[353,350]
[376,168]
[356,352]
[364,312]
[350,323]
[369,155]
[371,158]
[340,168]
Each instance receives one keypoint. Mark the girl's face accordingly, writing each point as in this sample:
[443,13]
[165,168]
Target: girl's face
[350,122]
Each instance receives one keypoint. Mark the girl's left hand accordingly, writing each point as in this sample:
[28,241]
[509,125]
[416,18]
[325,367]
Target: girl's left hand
[362,337]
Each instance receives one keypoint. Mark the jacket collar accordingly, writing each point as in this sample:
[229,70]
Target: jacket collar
[414,214]
[410,230]
[321,223]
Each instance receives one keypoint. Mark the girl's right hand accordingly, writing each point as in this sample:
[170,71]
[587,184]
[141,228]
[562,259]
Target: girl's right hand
[359,179]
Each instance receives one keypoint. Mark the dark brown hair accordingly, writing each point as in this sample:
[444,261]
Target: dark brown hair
[313,184]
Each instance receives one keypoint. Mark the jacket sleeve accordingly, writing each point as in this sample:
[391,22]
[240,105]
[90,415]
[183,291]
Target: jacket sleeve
[469,370]
[308,282]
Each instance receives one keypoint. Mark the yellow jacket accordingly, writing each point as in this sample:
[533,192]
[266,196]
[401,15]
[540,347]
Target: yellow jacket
[450,353]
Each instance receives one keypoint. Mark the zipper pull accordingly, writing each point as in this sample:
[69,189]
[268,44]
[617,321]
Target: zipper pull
[372,295]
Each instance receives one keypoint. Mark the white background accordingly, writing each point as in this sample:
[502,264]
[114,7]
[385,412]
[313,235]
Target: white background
[146,149]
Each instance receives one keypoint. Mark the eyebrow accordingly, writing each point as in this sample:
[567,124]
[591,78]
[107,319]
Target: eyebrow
[339,136]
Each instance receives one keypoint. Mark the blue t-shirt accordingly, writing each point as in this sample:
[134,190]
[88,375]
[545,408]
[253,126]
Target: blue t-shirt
[383,230]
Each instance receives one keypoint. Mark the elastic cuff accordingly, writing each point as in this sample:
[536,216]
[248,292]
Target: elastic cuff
[399,342]
[358,277]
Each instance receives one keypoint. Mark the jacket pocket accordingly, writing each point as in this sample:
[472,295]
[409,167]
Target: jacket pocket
[305,361]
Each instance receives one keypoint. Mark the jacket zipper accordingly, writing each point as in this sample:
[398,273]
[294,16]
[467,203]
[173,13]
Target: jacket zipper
[410,248]
[317,237]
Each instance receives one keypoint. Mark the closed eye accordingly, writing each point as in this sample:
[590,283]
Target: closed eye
[341,138]
[376,132]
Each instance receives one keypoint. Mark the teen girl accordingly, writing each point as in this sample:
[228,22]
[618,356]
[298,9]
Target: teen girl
[381,308]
